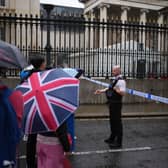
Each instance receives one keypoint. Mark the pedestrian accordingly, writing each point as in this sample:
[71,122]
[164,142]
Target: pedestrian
[52,148]
[114,94]
[10,133]
[77,73]
[37,63]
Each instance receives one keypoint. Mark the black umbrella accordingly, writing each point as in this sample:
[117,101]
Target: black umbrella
[11,56]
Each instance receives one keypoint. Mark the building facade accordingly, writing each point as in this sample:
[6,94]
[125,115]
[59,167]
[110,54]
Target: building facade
[142,12]
[16,8]
[20,7]
[130,33]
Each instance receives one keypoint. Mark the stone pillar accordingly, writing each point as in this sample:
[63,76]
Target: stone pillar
[160,34]
[34,7]
[11,4]
[143,20]
[161,42]
[92,16]
[26,6]
[143,15]
[103,27]
[86,31]
[124,13]
[124,18]
[48,46]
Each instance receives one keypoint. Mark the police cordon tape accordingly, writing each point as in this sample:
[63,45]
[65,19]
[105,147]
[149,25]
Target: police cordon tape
[133,92]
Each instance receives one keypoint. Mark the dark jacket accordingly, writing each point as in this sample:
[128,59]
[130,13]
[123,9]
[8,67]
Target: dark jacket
[111,94]
[62,134]
[10,134]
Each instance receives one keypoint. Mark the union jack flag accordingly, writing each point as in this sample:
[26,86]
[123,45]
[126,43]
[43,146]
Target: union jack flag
[50,97]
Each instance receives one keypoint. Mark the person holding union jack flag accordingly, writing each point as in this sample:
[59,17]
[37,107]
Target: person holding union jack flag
[37,64]
[50,97]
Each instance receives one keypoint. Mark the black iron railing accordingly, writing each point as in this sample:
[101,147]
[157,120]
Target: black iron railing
[140,49]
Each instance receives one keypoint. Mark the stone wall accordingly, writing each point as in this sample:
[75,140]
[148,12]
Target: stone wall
[154,86]
[157,87]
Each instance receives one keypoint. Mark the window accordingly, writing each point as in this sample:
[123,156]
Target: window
[2,2]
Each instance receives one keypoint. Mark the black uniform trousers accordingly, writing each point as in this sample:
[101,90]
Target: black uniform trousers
[116,121]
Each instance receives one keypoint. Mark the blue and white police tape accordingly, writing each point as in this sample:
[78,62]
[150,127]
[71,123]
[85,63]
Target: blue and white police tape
[133,92]
[97,82]
[148,96]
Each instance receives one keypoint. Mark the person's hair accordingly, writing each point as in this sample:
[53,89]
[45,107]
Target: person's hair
[36,61]
[116,66]
[117,69]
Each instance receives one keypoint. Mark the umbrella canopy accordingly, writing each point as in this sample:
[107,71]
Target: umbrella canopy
[74,72]
[50,97]
[10,56]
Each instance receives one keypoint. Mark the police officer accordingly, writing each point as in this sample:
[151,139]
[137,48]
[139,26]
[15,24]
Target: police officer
[114,93]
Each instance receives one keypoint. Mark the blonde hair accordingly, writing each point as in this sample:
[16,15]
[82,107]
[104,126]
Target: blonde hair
[117,69]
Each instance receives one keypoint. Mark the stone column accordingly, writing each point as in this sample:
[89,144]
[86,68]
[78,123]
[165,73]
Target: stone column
[34,7]
[92,16]
[160,34]
[143,17]
[11,4]
[143,20]
[161,42]
[48,46]
[103,27]
[124,17]
[86,31]
[9,33]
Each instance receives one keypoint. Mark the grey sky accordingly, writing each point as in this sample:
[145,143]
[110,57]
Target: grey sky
[72,3]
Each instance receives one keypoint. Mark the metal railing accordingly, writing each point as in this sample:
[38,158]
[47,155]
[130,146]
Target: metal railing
[140,49]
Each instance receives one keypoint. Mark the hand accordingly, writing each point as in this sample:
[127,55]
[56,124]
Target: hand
[97,92]
[67,153]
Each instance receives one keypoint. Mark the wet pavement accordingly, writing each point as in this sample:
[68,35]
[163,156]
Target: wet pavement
[145,144]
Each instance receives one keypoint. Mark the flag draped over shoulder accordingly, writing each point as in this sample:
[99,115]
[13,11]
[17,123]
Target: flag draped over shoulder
[9,130]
